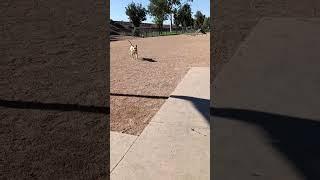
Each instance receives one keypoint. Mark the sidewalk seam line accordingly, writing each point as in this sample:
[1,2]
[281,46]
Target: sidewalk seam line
[177,124]
[124,154]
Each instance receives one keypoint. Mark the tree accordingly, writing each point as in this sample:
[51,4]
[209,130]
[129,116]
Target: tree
[136,14]
[172,9]
[159,10]
[184,16]
[176,17]
[206,23]
[199,19]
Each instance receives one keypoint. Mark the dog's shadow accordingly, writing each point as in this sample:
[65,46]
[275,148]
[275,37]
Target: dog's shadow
[148,59]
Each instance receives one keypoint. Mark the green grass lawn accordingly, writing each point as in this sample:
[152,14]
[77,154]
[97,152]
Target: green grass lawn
[156,33]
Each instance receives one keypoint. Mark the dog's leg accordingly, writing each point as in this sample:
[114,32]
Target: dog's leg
[130,54]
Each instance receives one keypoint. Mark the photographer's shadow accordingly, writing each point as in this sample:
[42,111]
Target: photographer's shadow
[298,139]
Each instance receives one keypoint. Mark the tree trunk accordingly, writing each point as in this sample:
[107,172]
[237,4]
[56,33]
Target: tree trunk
[170,22]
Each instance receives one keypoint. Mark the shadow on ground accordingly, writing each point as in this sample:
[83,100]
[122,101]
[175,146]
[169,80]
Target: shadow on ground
[148,59]
[296,138]
[202,105]
[53,106]
[139,96]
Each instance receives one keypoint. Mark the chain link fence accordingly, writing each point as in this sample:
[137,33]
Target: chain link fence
[153,32]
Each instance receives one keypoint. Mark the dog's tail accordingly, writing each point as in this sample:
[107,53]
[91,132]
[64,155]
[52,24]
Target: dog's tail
[131,43]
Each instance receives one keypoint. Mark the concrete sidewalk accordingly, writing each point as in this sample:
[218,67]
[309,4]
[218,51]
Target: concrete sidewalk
[120,143]
[176,143]
[266,104]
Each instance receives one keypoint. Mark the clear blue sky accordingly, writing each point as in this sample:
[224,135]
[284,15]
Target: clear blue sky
[117,8]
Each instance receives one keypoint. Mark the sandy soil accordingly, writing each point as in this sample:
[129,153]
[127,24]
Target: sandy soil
[172,56]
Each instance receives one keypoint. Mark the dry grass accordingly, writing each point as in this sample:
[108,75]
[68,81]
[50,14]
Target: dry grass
[173,56]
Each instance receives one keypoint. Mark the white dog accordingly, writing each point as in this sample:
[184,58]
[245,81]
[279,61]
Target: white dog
[133,51]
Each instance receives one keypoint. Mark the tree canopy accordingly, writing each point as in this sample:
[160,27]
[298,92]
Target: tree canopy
[183,16]
[206,23]
[136,13]
[199,19]
[159,9]
[172,5]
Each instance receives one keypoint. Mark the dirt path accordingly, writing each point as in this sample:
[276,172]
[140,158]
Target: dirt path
[171,55]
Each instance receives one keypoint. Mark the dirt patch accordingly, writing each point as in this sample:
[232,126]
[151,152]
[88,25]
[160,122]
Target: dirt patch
[163,62]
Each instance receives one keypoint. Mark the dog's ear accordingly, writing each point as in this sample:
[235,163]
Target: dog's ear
[136,46]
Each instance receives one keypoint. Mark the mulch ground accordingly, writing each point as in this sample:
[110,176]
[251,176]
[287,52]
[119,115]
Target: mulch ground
[167,60]
[52,60]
